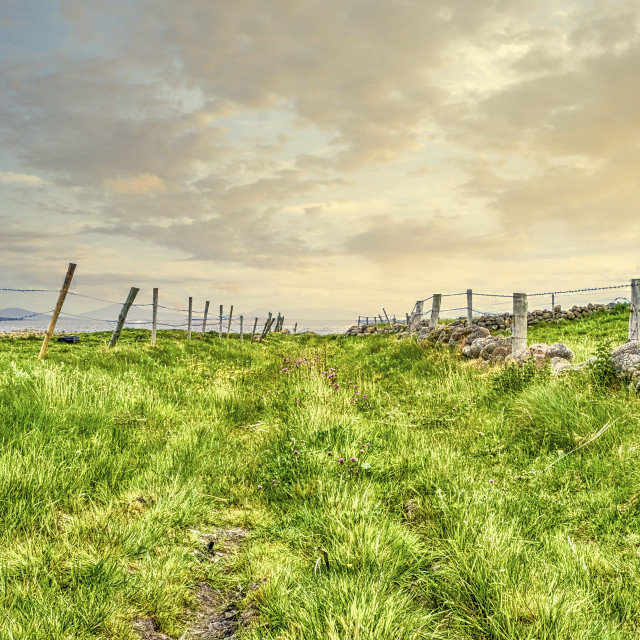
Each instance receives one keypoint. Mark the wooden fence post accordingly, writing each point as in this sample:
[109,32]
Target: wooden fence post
[295,328]
[154,316]
[56,312]
[553,306]
[204,318]
[416,316]
[229,325]
[241,328]
[253,333]
[435,310]
[634,317]
[190,316]
[519,339]
[266,327]
[133,292]
[469,307]
[220,324]
[386,316]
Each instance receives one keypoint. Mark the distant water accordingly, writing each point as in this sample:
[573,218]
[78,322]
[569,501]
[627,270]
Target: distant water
[77,325]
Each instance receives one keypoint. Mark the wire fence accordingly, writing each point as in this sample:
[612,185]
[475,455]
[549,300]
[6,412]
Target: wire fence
[140,316]
[500,304]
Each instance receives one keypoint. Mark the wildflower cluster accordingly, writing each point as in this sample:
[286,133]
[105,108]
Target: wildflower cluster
[358,398]
[289,365]
[331,375]
[356,464]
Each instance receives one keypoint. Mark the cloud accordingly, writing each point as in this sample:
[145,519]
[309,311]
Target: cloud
[21,179]
[142,183]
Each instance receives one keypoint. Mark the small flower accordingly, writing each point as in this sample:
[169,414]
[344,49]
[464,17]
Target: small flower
[341,461]
[491,481]
[329,453]
[361,450]
[259,486]
[367,445]
[354,459]
[296,453]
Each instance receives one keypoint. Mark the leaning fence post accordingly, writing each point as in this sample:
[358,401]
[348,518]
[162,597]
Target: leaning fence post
[469,307]
[386,316]
[56,312]
[241,328]
[253,333]
[266,327]
[204,318]
[133,292]
[634,317]
[220,323]
[190,316]
[229,325]
[435,310]
[295,328]
[154,316]
[519,339]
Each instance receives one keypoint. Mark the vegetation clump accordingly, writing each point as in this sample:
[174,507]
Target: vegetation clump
[383,489]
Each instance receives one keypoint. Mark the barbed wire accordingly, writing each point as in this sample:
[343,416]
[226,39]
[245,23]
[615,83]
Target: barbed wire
[29,315]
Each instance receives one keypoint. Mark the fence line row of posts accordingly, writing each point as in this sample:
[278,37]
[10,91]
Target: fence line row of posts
[133,292]
[520,315]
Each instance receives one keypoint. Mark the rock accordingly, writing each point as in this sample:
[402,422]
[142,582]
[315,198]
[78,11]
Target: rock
[626,358]
[539,349]
[499,354]
[559,365]
[559,350]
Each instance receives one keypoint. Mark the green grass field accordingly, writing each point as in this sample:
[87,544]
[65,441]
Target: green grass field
[453,513]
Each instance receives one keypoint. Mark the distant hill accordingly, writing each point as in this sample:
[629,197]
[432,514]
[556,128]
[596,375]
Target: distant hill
[17,313]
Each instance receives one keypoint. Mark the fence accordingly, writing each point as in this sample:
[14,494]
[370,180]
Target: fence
[157,316]
[510,311]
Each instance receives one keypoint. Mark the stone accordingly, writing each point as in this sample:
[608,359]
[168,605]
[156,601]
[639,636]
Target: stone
[538,349]
[559,350]
[499,354]
[560,365]
[626,358]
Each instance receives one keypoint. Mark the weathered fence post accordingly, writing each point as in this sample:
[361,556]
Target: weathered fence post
[204,317]
[416,316]
[229,325]
[190,316]
[295,328]
[133,292]
[358,320]
[553,306]
[435,310]
[265,328]
[56,312]
[253,333]
[386,316]
[241,328]
[519,339]
[220,323]
[634,317]
[469,307]
[154,316]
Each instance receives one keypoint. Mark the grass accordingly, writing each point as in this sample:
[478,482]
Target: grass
[446,526]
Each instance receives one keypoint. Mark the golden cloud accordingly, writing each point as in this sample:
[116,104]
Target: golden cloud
[142,183]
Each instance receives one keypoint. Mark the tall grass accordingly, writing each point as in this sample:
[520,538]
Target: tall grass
[449,523]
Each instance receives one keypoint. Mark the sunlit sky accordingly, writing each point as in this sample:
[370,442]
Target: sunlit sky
[298,153]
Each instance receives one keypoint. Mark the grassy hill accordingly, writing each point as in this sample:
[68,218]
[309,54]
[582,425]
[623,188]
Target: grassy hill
[315,487]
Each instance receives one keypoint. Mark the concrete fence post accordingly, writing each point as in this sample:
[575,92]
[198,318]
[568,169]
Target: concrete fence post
[519,340]
[634,316]
[416,317]
[469,307]
[435,310]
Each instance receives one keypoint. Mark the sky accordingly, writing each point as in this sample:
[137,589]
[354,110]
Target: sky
[347,154]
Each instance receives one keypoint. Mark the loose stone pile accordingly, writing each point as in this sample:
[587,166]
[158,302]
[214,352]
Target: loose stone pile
[477,342]
[626,362]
